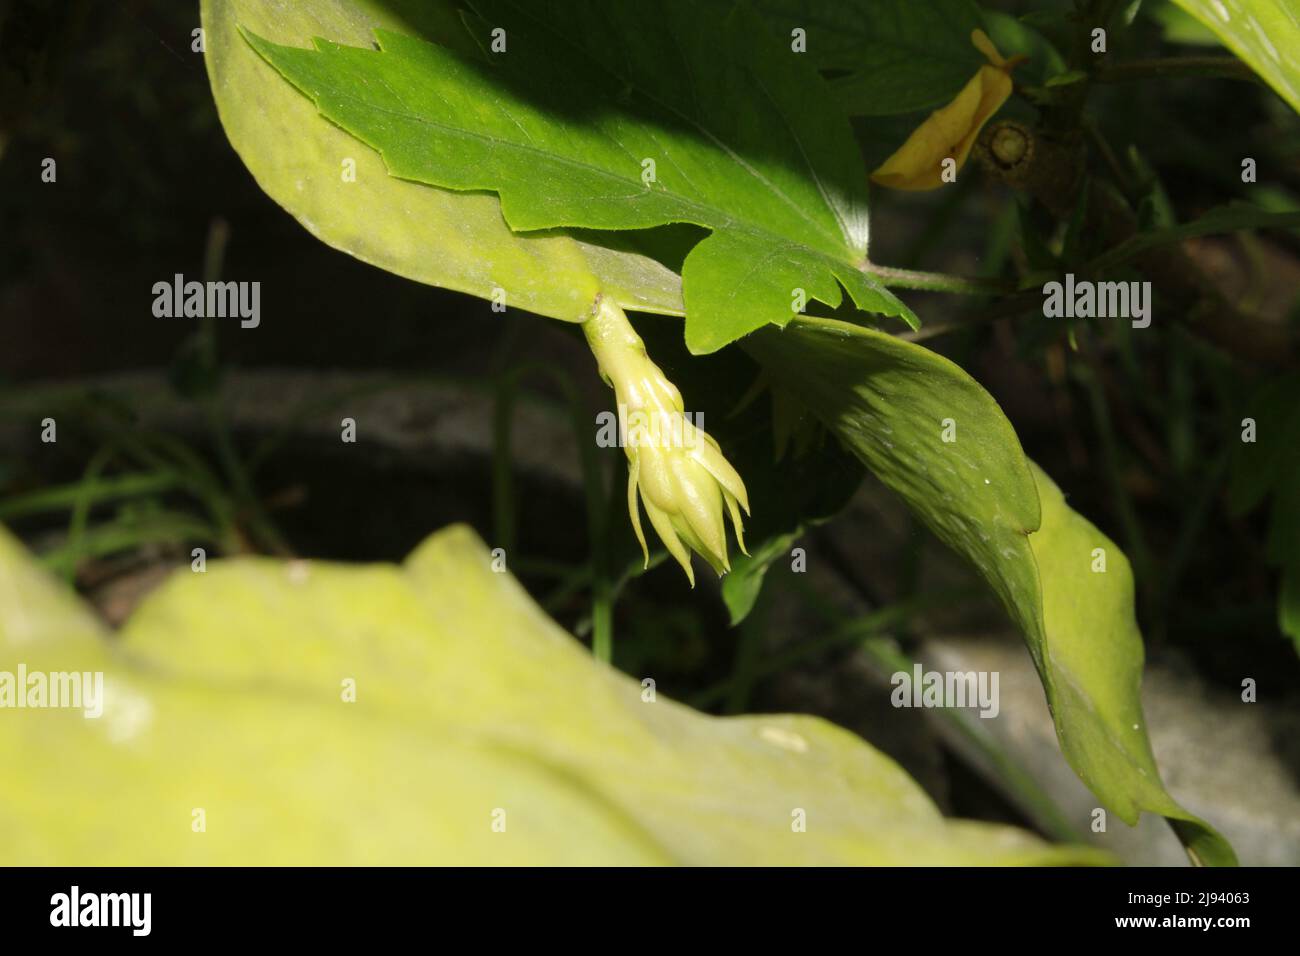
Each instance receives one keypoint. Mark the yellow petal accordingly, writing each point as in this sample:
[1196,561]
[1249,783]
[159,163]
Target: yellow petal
[696,545]
[981,42]
[663,526]
[708,454]
[655,477]
[634,509]
[735,520]
[699,502]
[950,132]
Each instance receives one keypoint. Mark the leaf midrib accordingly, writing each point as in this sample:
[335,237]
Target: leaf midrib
[844,238]
[727,222]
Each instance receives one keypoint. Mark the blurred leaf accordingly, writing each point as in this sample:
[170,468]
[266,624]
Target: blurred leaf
[1154,207]
[1288,600]
[903,55]
[1269,466]
[195,373]
[454,240]
[65,497]
[1234,217]
[147,525]
[1076,243]
[791,495]
[1016,37]
[742,140]
[744,582]
[1067,79]
[1178,25]
[1274,411]
[223,693]
[1038,255]
[891,402]
[1264,33]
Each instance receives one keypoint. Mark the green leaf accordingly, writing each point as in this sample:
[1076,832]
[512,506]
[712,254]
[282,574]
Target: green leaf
[892,57]
[225,693]
[1092,655]
[454,240]
[563,126]
[1234,217]
[1288,599]
[894,403]
[1264,33]
[903,55]
[1014,37]
[1269,466]
[742,585]
[1179,26]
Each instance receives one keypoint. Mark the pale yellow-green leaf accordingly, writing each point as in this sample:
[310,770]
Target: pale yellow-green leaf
[224,694]
[454,240]
[1092,668]
[933,435]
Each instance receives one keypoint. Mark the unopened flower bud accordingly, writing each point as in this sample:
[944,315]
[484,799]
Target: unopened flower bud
[681,475]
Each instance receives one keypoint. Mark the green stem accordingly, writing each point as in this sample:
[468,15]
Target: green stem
[259,522]
[503,509]
[1011,778]
[602,622]
[938,281]
[1002,769]
[1135,540]
[749,652]
[80,518]
[602,500]
[999,767]
[161,453]
[98,491]
[124,535]
[852,632]
[602,589]
[1175,67]
[1229,220]
[1193,526]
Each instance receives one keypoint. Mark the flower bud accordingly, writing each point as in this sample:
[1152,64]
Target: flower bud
[680,472]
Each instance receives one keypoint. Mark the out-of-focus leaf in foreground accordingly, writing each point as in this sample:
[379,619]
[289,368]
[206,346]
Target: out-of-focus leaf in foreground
[933,435]
[225,693]
[1264,33]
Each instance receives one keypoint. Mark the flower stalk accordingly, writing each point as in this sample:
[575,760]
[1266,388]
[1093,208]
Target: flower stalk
[675,468]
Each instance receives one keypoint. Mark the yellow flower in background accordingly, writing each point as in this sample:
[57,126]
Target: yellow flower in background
[950,132]
[680,472]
